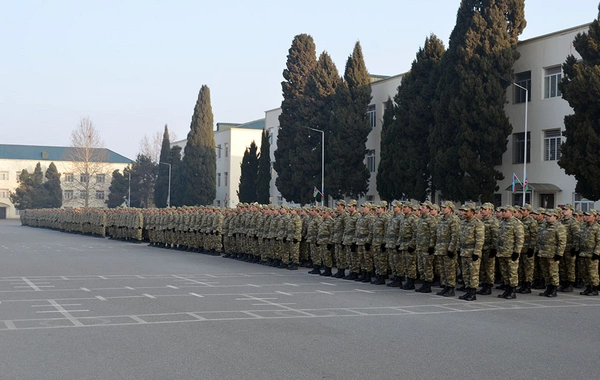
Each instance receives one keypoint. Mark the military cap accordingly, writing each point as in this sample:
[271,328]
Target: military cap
[468,206]
[578,212]
[397,204]
[374,206]
[435,207]
[540,210]
[341,202]
[383,204]
[353,202]
[408,204]
[509,208]
[527,207]
[449,204]
[590,212]
[488,205]
[568,206]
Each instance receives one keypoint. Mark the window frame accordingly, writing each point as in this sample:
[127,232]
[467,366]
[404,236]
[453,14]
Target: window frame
[519,147]
[552,78]
[552,140]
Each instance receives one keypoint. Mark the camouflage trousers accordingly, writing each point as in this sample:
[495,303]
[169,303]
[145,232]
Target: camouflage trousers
[549,269]
[326,257]
[354,260]
[381,260]
[366,258]
[509,271]
[425,265]
[487,268]
[396,262]
[590,271]
[340,256]
[264,249]
[448,270]
[526,265]
[566,269]
[294,252]
[470,271]
[304,252]
[409,261]
[315,255]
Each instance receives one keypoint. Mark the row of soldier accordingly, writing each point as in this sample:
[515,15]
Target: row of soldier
[372,243]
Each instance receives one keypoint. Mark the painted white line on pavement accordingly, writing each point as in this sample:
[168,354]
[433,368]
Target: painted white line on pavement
[172,287]
[101,298]
[102,277]
[197,295]
[129,287]
[31,284]
[65,313]
[85,289]
[364,291]
[149,296]
[287,283]
[10,325]
[284,293]
[255,286]
[327,283]
[324,292]
[253,315]
[64,278]
[198,317]
[58,311]
[137,319]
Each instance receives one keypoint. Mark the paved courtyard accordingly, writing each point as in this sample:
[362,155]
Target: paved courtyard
[79,307]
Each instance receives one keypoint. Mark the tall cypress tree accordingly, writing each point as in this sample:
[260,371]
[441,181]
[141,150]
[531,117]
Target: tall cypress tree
[143,177]
[162,181]
[471,128]
[406,162]
[117,190]
[177,180]
[249,174]
[388,168]
[579,86]
[52,189]
[199,164]
[350,128]
[294,170]
[263,180]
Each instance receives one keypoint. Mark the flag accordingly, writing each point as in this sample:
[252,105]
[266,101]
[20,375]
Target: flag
[168,201]
[515,180]
[526,183]
[225,199]
[315,192]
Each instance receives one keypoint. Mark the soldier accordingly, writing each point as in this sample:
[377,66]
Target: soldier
[471,240]
[378,249]
[510,243]
[527,261]
[425,246]
[349,243]
[552,243]
[324,244]
[391,239]
[363,238]
[294,235]
[446,245]
[406,245]
[589,252]
[338,237]
[567,263]
[489,251]
[311,239]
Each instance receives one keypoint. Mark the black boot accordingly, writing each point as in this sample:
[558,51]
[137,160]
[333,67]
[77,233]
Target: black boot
[367,276]
[292,267]
[468,292]
[443,291]
[594,291]
[315,270]
[394,283]
[450,292]
[506,292]
[379,280]
[340,273]
[351,276]
[426,285]
[566,287]
[410,284]
[485,290]
[282,265]
[471,295]
[551,291]
[587,291]
[502,287]
[538,284]
[511,293]
[546,292]
[525,288]
[579,283]
[326,272]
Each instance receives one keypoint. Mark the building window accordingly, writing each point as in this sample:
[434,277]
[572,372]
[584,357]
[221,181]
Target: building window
[372,114]
[279,200]
[524,80]
[370,198]
[547,200]
[3,176]
[552,77]
[219,151]
[99,194]
[519,147]
[518,198]
[68,177]
[226,176]
[371,161]
[226,152]
[582,204]
[497,200]
[100,178]
[552,145]
[68,194]
[4,193]
[83,194]
[218,179]
[218,203]
[84,178]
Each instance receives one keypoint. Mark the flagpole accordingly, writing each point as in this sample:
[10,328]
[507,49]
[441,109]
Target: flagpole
[525,140]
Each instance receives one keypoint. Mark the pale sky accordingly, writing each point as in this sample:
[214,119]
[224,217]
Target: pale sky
[133,66]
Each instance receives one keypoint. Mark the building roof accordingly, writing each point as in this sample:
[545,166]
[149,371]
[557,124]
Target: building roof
[255,124]
[51,153]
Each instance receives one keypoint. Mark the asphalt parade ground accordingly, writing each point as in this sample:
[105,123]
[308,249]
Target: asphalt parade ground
[79,307]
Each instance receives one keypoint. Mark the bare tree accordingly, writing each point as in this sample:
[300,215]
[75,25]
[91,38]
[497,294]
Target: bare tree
[151,146]
[88,157]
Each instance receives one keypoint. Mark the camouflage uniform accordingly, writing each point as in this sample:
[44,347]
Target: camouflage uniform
[294,235]
[446,245]
[406,245]
[552,243]
[378,248]
[338,236]
[589,252]
[350,244]
[391,238]
[489,251]
[510,243]
[471,240]
[363,239]
[324,243]
[566,268]
[526,260]
[425,245]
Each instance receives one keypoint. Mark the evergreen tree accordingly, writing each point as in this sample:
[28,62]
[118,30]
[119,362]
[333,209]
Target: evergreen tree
[162,181]
[52,188]
[23,198]
[295,171]
[199,164]
[176,177]
[143,177]
[348,174]
[118,190]
[249,174]
[580,86]
[405,153]
[388,168]
[263,180]
[471,128]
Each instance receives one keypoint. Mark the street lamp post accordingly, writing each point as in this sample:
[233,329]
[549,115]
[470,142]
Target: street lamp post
[322,162]
[129,191]
[525,140]
[169,191]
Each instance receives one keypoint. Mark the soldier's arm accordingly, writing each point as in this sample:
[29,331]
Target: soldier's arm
[519,237]
[561,240]
[479,237]
[455,228]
